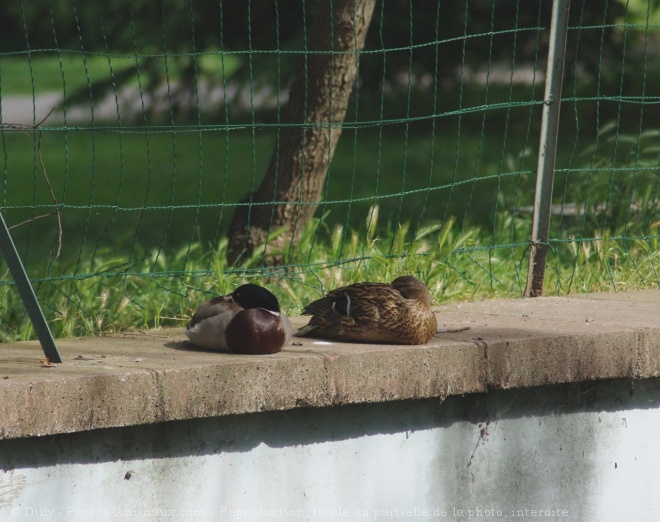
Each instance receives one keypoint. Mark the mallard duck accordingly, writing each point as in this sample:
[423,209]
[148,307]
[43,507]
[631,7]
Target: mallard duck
[397,313]
[246,321]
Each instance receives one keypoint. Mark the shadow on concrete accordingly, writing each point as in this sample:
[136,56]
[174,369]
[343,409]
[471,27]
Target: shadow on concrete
[304,426]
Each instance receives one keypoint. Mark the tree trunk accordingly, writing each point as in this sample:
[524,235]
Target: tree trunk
[319,96]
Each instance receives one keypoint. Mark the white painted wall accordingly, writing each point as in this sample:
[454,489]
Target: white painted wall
[588,452]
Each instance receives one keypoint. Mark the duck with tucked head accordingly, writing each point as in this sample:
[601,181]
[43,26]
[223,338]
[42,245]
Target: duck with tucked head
[246,321]
[397,313]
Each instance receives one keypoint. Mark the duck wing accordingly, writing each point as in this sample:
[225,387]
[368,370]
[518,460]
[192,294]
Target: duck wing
[354,302]
[214,307]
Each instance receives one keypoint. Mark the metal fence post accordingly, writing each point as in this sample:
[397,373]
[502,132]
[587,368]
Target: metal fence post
[27,294]
[547,148]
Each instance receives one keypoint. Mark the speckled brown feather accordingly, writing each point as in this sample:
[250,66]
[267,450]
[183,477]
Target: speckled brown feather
[399,313]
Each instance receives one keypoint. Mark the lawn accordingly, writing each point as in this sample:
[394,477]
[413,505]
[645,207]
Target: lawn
[144,211]
[167,189]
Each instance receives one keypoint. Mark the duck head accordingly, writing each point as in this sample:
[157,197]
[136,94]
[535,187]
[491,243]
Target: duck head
[412,288]
[254,296]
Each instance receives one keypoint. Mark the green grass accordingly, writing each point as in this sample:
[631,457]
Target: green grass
[457,264]
[135,266]
[54,73]
[144,215]
[71,72]
[174,188]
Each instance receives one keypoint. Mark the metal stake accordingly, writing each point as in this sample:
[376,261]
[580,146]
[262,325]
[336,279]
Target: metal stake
[547,148]
[27,294]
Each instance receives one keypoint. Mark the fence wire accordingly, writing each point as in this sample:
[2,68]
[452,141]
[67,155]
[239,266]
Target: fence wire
[132,133]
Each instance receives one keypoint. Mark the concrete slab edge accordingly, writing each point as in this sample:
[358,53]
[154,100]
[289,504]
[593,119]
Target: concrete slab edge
[155,377]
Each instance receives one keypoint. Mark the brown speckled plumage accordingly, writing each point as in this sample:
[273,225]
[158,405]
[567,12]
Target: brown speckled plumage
[397,313]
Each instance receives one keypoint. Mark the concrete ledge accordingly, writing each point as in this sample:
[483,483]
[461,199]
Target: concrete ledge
[156,376]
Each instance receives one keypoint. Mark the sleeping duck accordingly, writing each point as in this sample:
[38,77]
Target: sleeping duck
[246,321]
[397,313]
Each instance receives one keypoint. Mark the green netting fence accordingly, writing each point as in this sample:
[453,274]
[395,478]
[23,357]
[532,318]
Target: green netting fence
[156,153]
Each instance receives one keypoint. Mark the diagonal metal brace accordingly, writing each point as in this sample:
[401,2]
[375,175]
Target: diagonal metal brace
[539,246]
[25,290]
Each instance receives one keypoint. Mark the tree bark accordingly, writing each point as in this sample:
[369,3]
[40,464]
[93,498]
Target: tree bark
[318,100]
